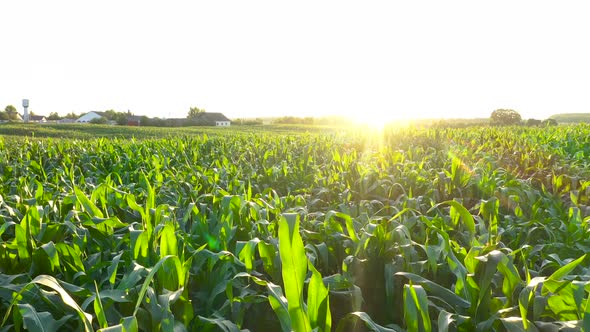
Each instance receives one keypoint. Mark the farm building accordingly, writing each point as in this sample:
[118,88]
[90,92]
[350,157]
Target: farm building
[201,119]
[86,118]
[212,119]
[37,118]
[134,120]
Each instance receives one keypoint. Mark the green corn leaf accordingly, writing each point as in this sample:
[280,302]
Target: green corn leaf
[99,309]
[416,313]
[148,280]
[277,300]
[140,245]
[348,222]
[168,242]
[52,283]
[294,269]
[223,325]
[247,252]
[171,274]
[318,302]
[112,270]
[466,216]
[525,297]
[70,256]
[268,254]
[45,259]
[40,321]
[445,319]
[364,317]
[586,317]
[279,305]
[88,206]
[555,282]
[32,222]
[517,324]
[134,206]
[23,245]
[127,324]
[437,290]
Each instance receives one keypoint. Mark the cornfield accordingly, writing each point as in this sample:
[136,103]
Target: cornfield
[478,229]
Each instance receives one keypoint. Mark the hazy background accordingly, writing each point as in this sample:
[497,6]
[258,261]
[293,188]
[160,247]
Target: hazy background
[306,58]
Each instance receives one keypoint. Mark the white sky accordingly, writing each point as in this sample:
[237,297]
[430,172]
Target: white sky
[301,58]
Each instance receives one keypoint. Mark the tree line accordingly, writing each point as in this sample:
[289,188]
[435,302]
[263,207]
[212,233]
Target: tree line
[510,117]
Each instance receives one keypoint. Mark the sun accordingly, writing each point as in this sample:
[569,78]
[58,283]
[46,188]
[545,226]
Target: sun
[372,120]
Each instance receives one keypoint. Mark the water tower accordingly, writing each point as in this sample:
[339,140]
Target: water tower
[26,112]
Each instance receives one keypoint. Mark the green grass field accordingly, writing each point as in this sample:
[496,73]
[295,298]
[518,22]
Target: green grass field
[294,229]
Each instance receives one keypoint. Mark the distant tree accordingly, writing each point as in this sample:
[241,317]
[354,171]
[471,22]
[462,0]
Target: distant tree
[11,112]
[549,122]
[3,116]
[71,115]
[505,117]
[194,112]
[248,122]
[10,109]
[109,114]
[101,120]
[53,116]
[121,119]
[533,122]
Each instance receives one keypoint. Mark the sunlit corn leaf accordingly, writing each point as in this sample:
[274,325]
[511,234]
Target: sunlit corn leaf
[88,206]
[294,269]
[99,309]
[416,314]
[246,252]
[318,302]
[552,284]
[168,242]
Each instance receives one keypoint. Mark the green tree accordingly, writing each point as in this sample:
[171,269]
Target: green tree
[505,117]
[11,112]
[71,115]
[101,120]
[119,117]
[194,112]
[533,122]
[549,122]
[53,116]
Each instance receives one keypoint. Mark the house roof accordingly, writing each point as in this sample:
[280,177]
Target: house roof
[207,117]
[36,117]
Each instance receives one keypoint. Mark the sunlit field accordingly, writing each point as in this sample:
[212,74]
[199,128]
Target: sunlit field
[280,228]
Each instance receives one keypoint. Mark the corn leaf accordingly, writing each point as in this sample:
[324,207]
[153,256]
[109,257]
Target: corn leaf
[294,269]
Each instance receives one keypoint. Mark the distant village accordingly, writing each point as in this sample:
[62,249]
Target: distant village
[196,117]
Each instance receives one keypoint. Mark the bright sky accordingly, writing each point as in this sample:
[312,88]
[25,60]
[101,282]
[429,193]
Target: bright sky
[301,58]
